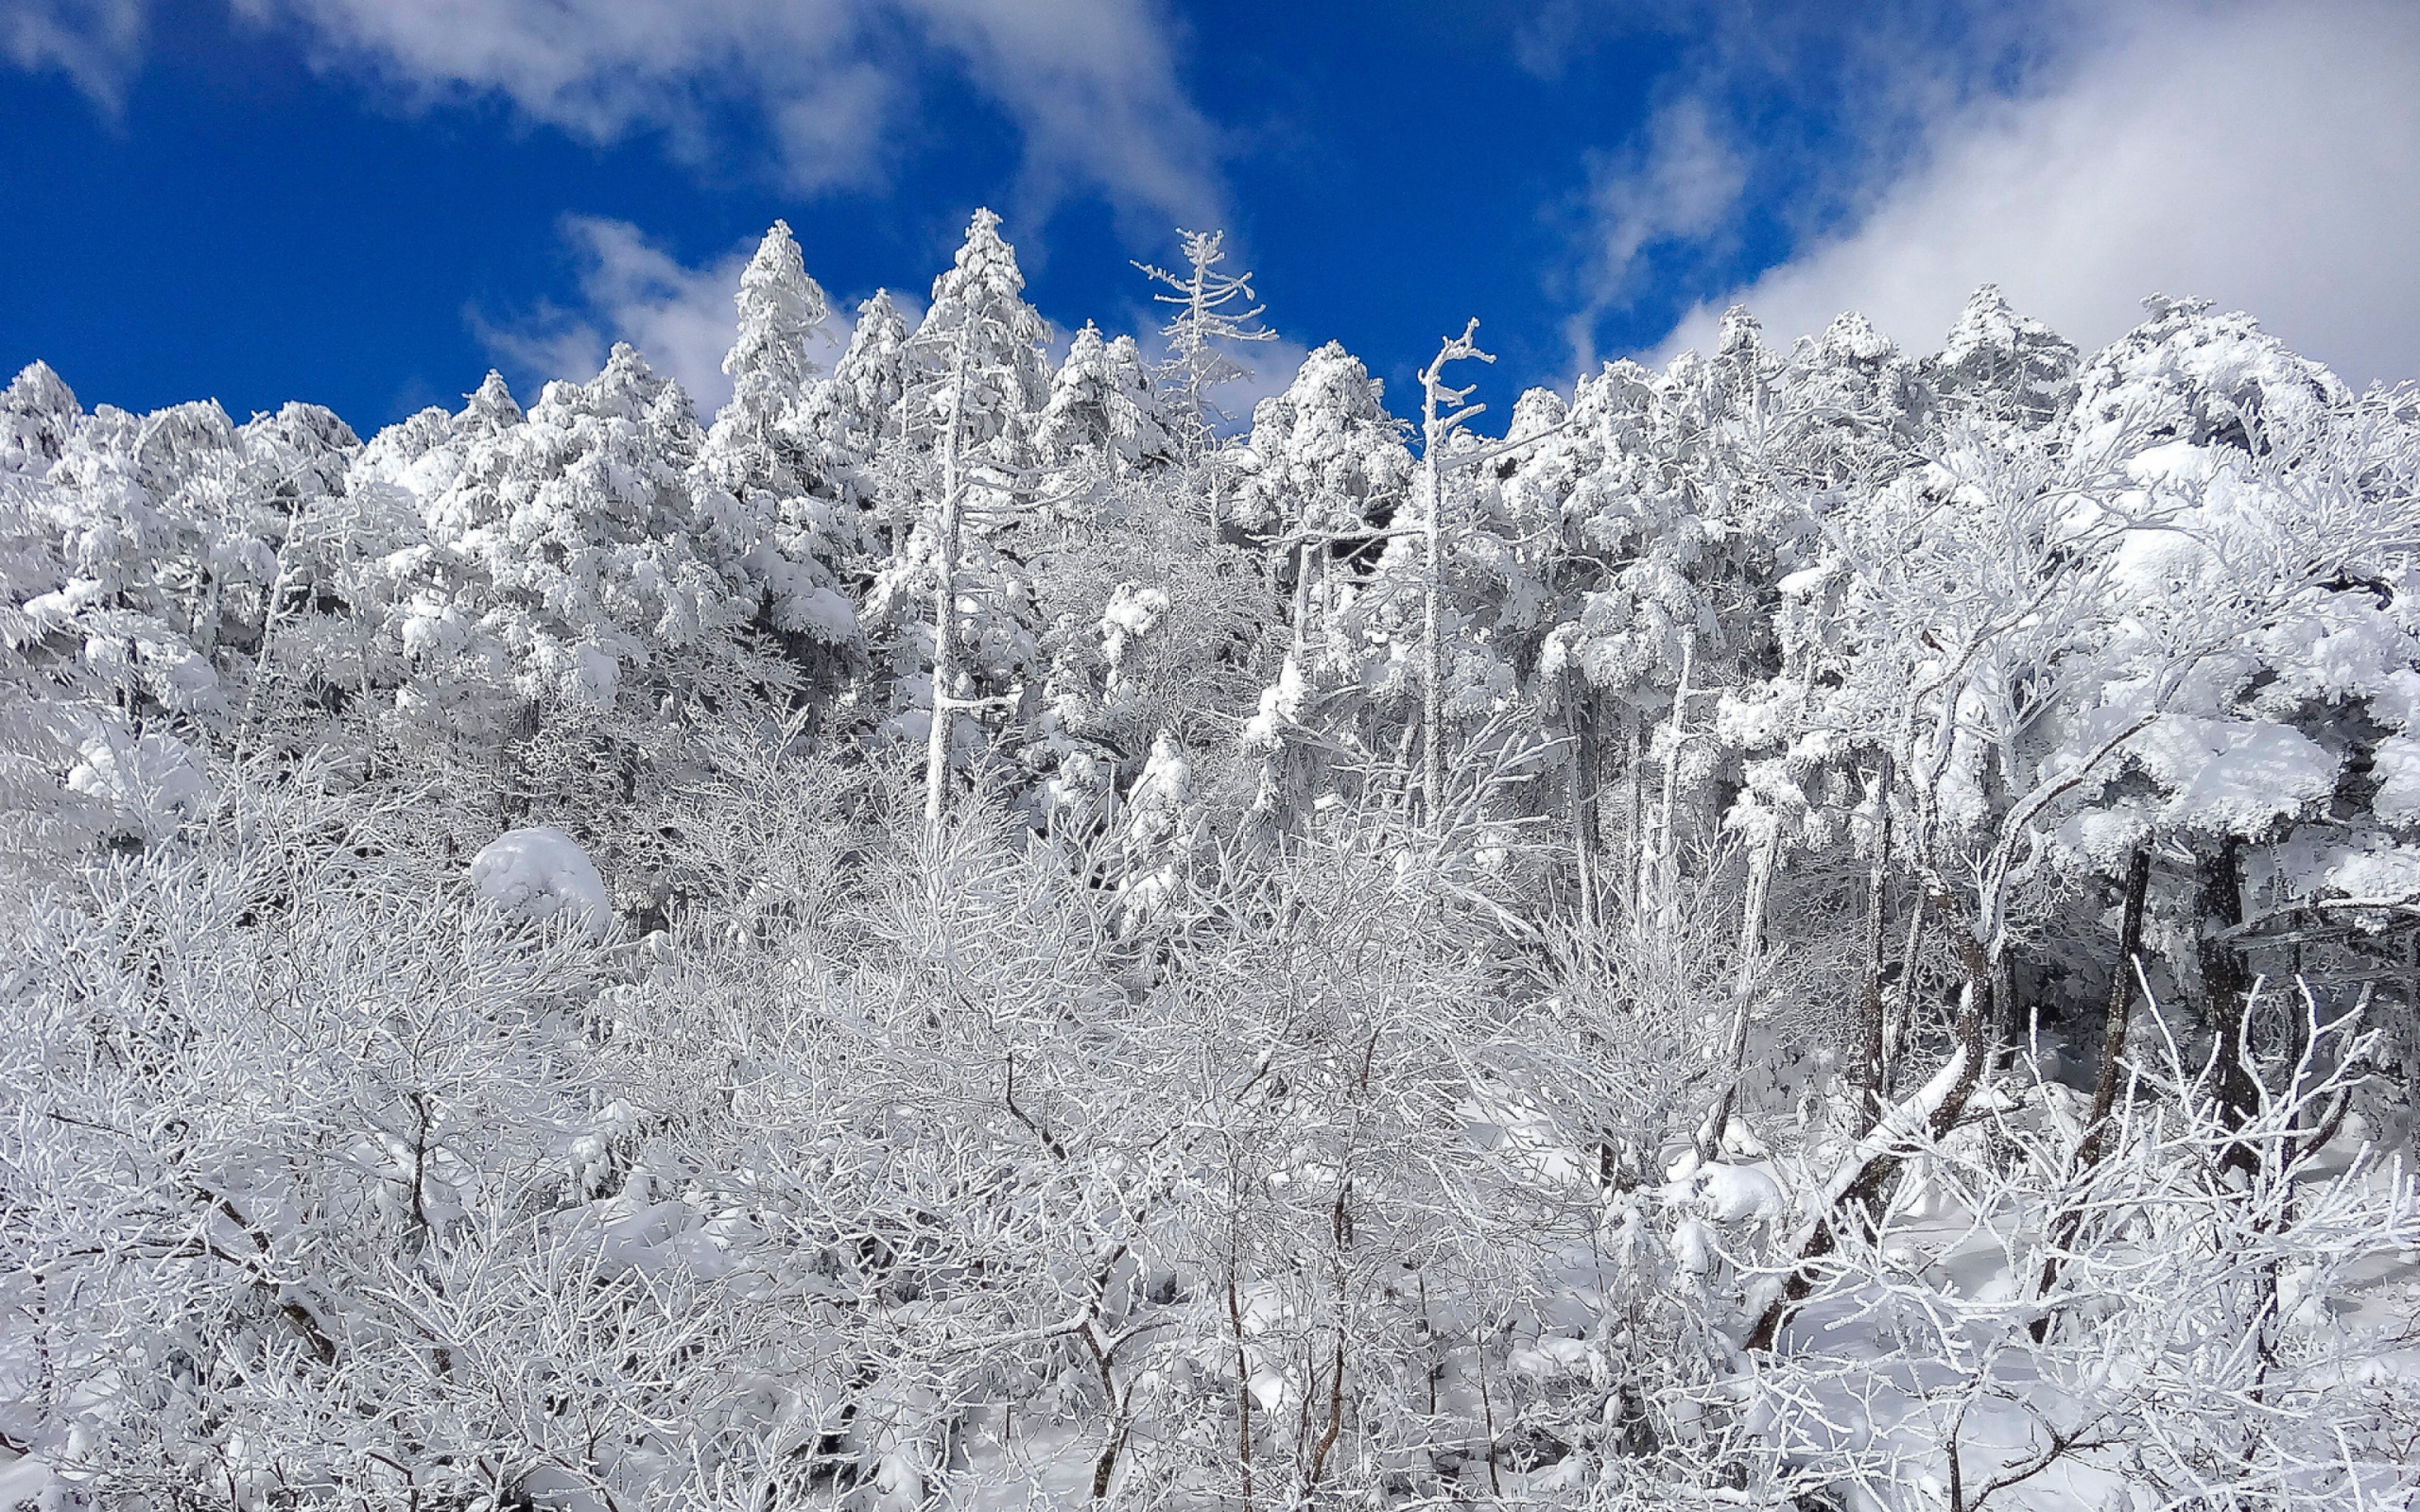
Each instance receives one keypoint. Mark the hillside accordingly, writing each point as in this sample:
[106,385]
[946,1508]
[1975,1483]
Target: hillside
[1819,928]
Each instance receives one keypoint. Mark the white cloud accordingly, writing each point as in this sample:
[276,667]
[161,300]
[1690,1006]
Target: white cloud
[680,319]
[1090,85]
[95,42]
[1271,368]
[1682,186]
[2263,156]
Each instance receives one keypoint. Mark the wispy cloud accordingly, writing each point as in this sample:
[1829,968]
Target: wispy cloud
[1773,121]
[1682,184]
[2262,155]
[97,43]
[680,318]
[1092,85]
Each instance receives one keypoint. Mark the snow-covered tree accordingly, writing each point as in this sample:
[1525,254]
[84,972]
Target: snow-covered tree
[847,417]
[1211,307]
[38,412]
[775,521]
[1103,410]
[967,412]
[2001,365]
[1889,982]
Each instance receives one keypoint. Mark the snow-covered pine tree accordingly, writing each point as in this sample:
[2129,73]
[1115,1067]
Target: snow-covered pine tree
[1322,479]
[1444,412]
[782,315]
[1999,365]
[965,425]
[774,520]
[1211,307]
[848,417]
[1103,415]
[38,412]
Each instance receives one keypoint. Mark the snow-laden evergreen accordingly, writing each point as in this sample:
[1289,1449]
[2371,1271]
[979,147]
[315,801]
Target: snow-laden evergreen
[1818,928]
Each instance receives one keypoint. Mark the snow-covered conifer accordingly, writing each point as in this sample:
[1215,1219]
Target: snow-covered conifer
[1103,410]
[782,312]
[773,520]
[1999,364]
[847,417]
[37,412]
[1210,310]
[967,413]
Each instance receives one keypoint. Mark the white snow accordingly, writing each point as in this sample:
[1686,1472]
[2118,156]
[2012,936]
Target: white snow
[2233,774]
[152,783]
[1732,1193]
[542,873]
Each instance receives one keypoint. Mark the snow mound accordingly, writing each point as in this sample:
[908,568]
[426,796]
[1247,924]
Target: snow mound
[1550,1358]
[2398,766]
[540,873]
[1730,1193]
[1134,612]
[2234,774]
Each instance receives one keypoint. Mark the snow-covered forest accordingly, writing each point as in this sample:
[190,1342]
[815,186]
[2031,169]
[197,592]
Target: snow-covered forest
[1825,928]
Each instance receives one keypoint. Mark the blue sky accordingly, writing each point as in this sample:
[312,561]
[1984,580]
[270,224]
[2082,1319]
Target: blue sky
[366,203]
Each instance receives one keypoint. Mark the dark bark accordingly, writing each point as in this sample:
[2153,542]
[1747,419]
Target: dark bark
[1583,795]
[2104,1086]
[1634,817]
[1752,934]
[1243,1388]
[2014,1028]
[1870,1191]
[2226,991]
[2121,1004]
[1867,1072]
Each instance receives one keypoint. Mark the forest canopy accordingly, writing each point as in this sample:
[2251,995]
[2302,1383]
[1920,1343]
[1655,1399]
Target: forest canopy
[1815,928]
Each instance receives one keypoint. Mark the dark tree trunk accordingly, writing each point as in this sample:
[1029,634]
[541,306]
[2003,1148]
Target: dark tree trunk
[1867,1074]
[2226,988]
[1577,697]
[2121,1007]
[2015,1026]
[1870,1191]
[1634,820]
[2105,1085]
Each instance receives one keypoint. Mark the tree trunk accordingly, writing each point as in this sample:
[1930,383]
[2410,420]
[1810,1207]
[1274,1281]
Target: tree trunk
[1302,604]
[1583,796]
[1432,709]
[1667,883]
[2121,1004]
[945,597]
[1634,821]
[1895,1021]
[1743,993]
[1867,1074]
[2105,1085]
[1868,1191]
[2225,988]
[1243,1386]
[2013,1026]
[1976,1013]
